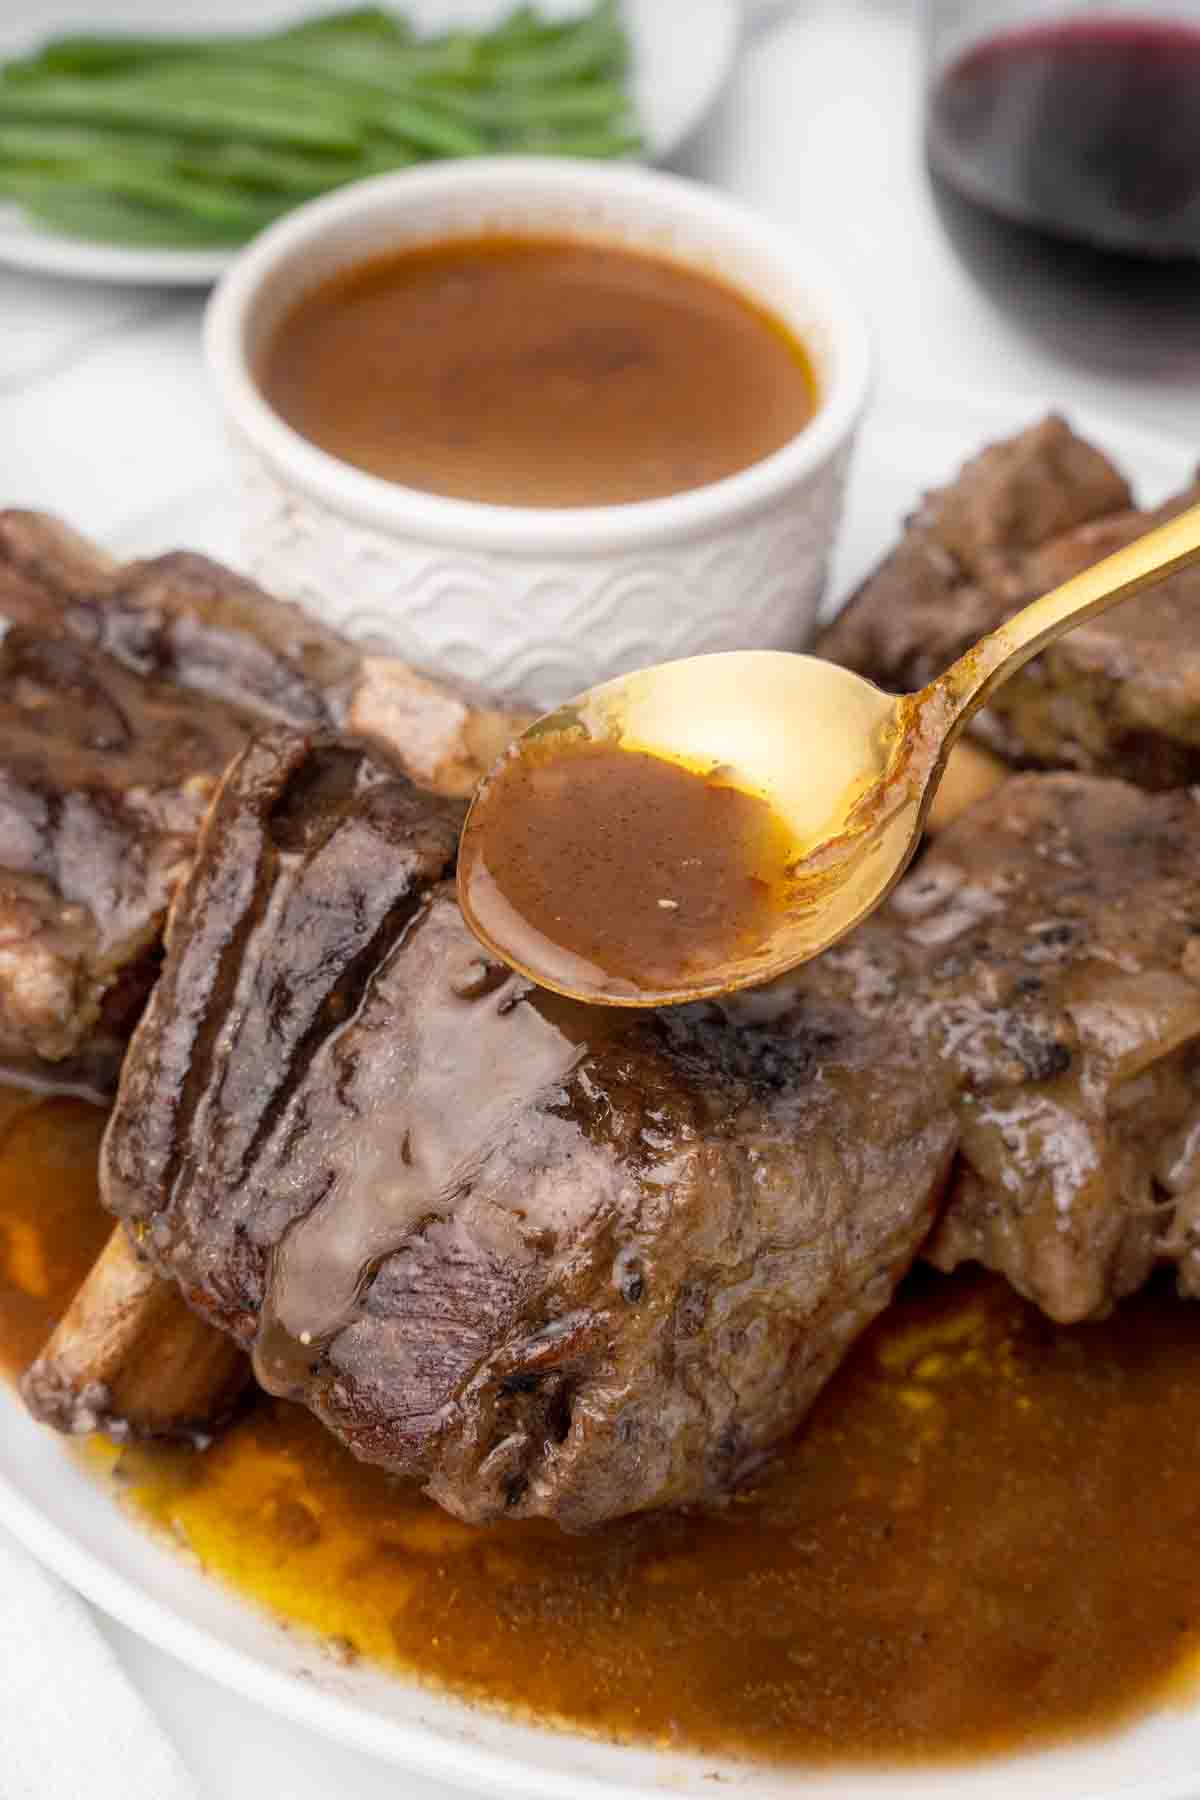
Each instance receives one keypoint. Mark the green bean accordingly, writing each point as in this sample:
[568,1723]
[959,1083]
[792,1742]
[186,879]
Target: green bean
[281,171]
[452,56]
[87,53]
[185,114]
[597,47]
[325,105]
[210,216]
[453,62]
[52,143]
[378,23]
[253,165]
[395,112]
[525,26]
[422,125]
[527,107]
[107,218]
[220,208]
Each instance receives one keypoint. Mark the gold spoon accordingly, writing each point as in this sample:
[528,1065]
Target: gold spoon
[850,771]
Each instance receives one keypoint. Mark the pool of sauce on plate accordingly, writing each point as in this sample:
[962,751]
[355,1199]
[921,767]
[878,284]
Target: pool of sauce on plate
[537,372]
[986,1539]
[600,864]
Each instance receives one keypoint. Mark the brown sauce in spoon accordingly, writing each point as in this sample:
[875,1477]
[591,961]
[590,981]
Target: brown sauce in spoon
[602,862]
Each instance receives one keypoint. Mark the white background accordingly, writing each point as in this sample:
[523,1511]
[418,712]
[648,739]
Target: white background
[105,416]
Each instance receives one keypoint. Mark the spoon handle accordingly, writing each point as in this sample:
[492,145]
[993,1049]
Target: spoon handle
[970,682]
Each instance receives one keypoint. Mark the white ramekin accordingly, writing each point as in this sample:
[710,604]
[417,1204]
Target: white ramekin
[541,603]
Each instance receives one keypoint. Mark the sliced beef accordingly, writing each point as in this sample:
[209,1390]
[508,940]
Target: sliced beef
[104,778]
[1117,696]
[1048,948]
[124,693]
[542,1258]
[187,620]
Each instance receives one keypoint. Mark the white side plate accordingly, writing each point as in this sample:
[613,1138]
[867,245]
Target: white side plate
[683,51]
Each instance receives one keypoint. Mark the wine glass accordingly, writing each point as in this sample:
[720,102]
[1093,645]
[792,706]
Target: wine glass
[1062,141]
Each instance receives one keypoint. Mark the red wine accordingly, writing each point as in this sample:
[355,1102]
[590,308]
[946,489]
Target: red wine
[1065,165]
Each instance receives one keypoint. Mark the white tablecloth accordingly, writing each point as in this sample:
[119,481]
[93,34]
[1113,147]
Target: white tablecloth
[105,414]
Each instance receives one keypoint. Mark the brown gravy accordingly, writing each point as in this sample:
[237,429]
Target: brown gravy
[986,1538]
[599,860]
[537,372]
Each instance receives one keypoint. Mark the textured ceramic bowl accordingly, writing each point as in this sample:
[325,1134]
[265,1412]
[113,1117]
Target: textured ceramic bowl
[542,602]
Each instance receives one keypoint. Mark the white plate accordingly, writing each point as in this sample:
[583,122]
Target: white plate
[682,52]
[76,1528]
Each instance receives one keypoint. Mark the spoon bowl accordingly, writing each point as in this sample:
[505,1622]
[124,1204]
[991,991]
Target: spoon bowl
[736,712]
[847,771]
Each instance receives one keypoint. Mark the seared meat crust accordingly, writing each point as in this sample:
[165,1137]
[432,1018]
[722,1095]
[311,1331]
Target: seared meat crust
[1119,695]
[104,778]
[124,693]
[545,1259]
[1048,949]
